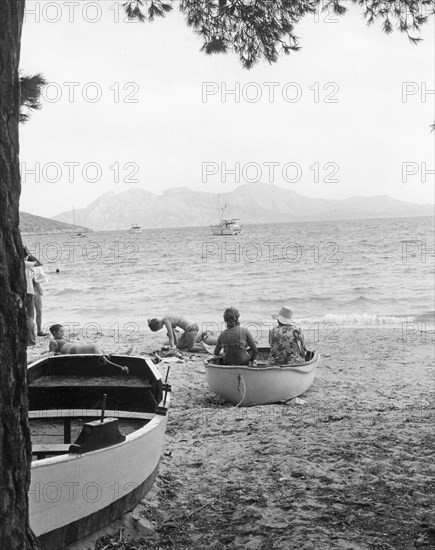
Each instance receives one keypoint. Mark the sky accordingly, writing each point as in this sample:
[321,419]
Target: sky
[137,105]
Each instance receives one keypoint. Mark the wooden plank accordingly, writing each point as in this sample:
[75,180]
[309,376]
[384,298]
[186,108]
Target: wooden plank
[93,381]
[43,449]
[89,413]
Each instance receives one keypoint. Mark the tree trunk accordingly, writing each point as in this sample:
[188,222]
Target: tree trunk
[15,450]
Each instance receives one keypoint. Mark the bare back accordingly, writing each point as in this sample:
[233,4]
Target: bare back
[177,321]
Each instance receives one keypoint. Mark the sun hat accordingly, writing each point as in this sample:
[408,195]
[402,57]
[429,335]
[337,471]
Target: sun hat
[284,316]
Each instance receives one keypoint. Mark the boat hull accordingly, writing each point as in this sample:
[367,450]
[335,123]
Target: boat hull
[223,232]
[73,495]
[227,227]
[246,386]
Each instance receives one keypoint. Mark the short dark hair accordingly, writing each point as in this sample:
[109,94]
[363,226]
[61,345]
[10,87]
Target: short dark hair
[55,328]
[154,324]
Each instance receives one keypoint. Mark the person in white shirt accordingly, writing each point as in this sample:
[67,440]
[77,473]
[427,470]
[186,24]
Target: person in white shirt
[39,278]
[29,263]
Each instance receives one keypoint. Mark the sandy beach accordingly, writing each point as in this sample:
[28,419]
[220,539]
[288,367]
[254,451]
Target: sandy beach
[348,466]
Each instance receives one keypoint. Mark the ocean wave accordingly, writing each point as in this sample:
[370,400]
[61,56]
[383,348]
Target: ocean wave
[94,310]
[363,288]
[361,300]
[427,316]
[359,319]
[280,300]
[64,291]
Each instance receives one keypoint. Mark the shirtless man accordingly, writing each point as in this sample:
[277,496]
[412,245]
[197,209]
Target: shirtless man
[188,340]
[62,346]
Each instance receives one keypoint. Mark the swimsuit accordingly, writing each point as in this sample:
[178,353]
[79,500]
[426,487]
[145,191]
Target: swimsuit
[235,342]
[65,347]
[192,328]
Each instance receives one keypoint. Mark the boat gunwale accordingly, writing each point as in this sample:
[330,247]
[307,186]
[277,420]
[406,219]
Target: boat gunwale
[312,363]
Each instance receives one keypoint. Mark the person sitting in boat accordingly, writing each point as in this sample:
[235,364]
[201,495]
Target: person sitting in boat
[237,342]
[190,339]
[61,346]
[286,340]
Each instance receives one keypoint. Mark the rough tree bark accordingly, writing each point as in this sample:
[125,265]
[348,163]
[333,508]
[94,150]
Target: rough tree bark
[15,457]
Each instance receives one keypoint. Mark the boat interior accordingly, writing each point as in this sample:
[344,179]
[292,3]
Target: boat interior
[79,403]
[262,357]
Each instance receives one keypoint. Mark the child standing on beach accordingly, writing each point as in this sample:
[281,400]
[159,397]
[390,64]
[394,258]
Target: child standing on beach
[188,340]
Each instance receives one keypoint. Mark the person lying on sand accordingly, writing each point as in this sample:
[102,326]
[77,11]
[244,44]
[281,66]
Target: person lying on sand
[191,339]
[61,346]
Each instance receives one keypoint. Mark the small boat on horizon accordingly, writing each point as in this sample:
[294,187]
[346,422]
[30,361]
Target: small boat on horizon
[76,234]
[228,226]
[91,465]
[135,228]
[247,386]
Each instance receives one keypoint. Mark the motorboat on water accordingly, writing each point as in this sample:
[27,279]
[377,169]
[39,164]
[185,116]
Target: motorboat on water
[135,228]
[226,226]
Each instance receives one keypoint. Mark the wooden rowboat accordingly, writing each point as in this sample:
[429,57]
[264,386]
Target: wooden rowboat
[77,488]
[246,386]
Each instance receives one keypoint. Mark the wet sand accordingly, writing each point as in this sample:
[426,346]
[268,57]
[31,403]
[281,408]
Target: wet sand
[351,467]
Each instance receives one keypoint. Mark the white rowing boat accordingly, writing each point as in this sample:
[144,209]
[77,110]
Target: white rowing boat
[88,469]
[246,386]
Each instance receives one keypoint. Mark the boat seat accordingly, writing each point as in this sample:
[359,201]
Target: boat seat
[74,391]
[44,449]
[89,413]
[68,414]
[78,382]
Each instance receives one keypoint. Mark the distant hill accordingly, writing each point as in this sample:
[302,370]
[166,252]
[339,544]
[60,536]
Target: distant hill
[252,203]
[36,225]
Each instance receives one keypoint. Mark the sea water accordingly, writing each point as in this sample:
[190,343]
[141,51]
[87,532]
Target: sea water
[331,273]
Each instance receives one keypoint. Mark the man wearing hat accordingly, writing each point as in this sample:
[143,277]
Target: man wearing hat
[286,341]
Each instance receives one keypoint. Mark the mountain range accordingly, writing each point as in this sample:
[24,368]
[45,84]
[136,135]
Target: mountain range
[252,203]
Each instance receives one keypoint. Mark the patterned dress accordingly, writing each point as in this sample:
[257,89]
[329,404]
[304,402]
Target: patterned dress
[285,347]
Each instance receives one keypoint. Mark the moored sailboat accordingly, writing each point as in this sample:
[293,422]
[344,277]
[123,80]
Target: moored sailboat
[76,234]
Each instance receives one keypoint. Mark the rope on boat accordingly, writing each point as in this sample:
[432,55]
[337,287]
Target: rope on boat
[123,369]
[240,379]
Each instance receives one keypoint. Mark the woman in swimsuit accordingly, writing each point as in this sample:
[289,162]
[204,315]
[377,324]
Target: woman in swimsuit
[237,342]
[190,339]
[61,346]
